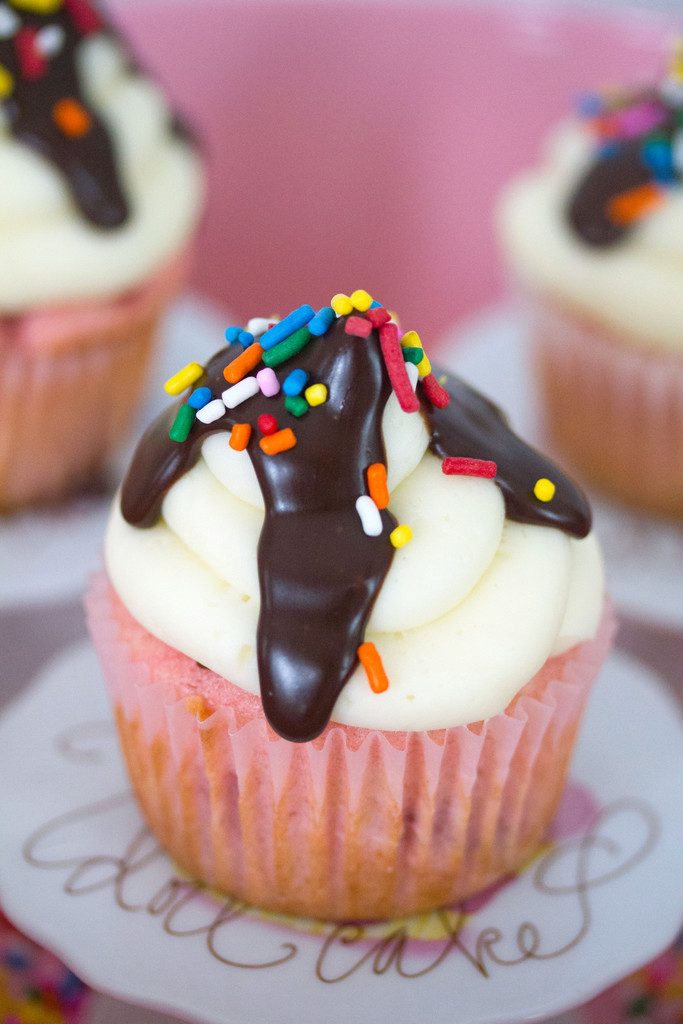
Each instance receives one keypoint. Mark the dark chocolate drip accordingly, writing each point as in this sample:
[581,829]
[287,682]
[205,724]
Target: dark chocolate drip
[319,573]
[618,168]
[474,427]
[87,161]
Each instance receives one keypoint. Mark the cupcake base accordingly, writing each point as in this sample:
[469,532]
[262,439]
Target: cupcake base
[356,824]
[614,412]
[70,382]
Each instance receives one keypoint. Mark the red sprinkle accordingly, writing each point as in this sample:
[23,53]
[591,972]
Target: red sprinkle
[396,368]
[84,17]
[378,316]
[437,395]
[359,326]
[469,467]
[31,61]
[267,424]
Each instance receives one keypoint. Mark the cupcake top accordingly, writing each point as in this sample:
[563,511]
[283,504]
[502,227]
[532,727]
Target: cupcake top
[599,225]
[100,184]
[327,519]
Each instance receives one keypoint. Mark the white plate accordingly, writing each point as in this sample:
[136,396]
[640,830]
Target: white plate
[47,555]
[80,873]
[643,555]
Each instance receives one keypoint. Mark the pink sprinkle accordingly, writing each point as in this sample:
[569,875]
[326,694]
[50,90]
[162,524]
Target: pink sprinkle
[378,316]
[359,326]
[437,395]
[268,382]
[469,467]
[642,118]
[396,368]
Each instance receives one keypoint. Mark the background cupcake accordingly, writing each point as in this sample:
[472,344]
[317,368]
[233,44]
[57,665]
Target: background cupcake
[348,628]
[596,236]
[101,191]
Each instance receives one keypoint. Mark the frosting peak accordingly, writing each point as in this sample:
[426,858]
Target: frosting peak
[328,540]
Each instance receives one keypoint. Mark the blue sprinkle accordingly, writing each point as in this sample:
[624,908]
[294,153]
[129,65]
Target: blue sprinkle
[322,321]
[375,304]
[71,987]
[16,960]
[590,105]
[232,334]
[199,398]
[658,156]
[295,382]
[246,338]
[294,322]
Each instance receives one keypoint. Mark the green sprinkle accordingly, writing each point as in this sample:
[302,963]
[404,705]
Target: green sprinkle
[291,346]
[413,355]
[182,424]
[296,404]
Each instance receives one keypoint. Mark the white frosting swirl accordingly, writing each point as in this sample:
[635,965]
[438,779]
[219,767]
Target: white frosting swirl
[633,287]
[468,613]
[49,252]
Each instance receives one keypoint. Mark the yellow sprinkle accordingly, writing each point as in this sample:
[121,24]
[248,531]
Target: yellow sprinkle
[38,6]
[424,367]
[6,83]
[184,378]
[316,394]
[411,339]
[361,301]
[544,489]
[342,304]
[401,536]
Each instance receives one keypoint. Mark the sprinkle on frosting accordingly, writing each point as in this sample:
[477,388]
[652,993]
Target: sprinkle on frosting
[328,537]
[638,157]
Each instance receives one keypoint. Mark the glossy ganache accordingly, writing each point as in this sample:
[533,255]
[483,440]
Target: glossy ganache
[319,573]
[622,165]
[40,69]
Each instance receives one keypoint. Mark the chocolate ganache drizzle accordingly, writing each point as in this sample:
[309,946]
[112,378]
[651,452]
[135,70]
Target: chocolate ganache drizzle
[319,573]
[41,95]
[634,163]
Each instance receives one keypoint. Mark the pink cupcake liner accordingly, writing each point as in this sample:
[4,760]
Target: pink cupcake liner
[614,411]
[70,382]
[356,824]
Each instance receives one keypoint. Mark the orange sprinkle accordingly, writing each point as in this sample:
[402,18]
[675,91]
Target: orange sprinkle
[281,441]
[369,658]
[377,484]
[239,436]
[631,205]
[72,119]
[244,364]
[197,707]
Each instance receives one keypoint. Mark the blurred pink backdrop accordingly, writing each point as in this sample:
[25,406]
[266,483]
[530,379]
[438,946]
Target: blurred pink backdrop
[363,144]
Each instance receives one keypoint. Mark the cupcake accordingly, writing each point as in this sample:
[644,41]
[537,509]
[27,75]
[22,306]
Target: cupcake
[349,623]
[595,235]
[101,191]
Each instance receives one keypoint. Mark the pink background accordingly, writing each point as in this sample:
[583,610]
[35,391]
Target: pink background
[362,144]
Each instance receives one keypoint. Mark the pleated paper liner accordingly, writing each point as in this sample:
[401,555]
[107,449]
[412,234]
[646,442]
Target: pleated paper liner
[613,410]
[356,824]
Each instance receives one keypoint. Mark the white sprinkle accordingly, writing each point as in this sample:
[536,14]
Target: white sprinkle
[413,374]
[50,40]
[370,518]
[211,412]
[671,90]
[9,22]
[240,392]
[258,325]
